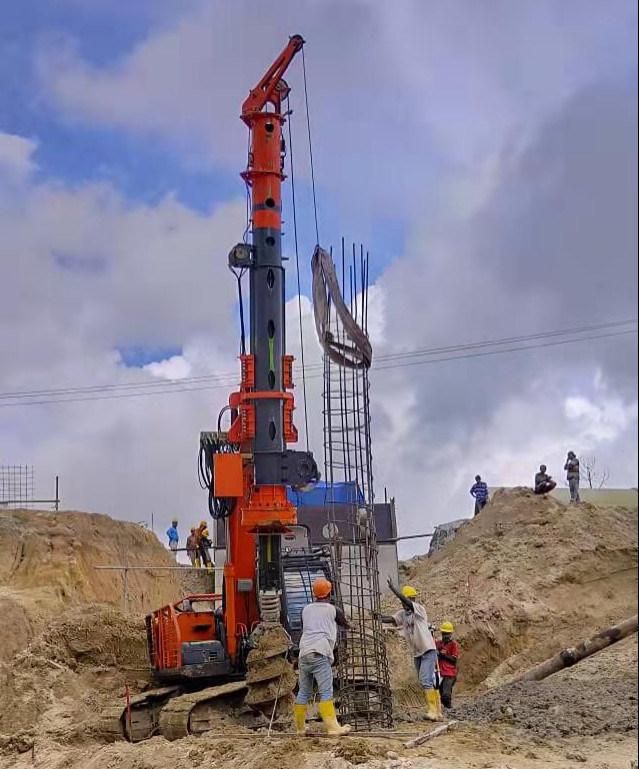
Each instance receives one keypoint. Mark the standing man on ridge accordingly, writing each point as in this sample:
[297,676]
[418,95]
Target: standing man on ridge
[572,476]
[479,490]
[174,537]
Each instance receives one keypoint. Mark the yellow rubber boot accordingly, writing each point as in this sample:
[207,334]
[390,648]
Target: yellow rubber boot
[433,705]
[299,718]
[327,712]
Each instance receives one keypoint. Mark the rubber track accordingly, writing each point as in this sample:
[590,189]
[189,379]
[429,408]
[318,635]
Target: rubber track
[176,714]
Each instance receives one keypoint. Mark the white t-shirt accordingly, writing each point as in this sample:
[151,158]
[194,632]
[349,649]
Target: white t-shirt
[414,628]
[319,629]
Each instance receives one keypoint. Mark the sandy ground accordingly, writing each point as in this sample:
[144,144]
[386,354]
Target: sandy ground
[469,746]
[525,579]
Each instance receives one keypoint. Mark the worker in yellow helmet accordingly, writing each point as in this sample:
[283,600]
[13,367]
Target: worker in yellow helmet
[413,623]
[448,654]
[205,544]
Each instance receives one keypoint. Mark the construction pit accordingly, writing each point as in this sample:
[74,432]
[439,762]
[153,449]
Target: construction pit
[525,579]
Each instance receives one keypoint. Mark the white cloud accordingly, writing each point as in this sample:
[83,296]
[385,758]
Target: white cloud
[16,156]
[443,87]
[175,367]
[599,422]
[493,250]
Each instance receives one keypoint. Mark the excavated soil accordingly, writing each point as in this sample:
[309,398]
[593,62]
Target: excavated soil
[48,560]
[66,648]
[525,579]
[598,696]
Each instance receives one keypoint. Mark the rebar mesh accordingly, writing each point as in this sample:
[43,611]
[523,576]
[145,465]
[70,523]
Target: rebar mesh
[16,485]
[365,698]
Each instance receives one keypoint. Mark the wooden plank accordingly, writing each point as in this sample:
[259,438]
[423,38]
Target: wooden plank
[429,735]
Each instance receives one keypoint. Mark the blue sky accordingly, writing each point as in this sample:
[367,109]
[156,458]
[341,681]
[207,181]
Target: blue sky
[72,150]
[143,169]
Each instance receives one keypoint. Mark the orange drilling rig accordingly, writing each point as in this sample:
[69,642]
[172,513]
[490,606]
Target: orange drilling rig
[212,652]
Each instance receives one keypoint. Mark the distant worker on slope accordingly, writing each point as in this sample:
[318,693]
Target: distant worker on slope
[192,547]
[572,476]
[413,623]
[544,483]
[319,636]
[174,537]
[479,490]
[448,654]
[204,544]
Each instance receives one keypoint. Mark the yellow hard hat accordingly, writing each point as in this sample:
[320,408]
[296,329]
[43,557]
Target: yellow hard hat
[447,627]
[409,592]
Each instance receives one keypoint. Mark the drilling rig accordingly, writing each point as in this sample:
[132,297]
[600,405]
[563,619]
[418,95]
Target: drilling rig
[232,649]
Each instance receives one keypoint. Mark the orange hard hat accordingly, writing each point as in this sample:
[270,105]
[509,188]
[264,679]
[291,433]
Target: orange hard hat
[322,588]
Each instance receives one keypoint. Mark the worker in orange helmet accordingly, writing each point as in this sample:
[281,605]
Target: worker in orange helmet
[319,636]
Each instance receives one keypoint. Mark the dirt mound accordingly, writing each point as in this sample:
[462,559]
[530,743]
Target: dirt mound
[47,560]
[59,683]
[566,703]
[65,646]
[524,579]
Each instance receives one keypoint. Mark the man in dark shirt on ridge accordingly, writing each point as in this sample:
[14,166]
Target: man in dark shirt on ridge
[543,482]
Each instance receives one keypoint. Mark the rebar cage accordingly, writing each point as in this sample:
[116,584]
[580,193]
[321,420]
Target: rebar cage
[365,699]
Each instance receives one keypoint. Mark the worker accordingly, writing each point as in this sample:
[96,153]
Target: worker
[544,483]
[174,537]
[413,623]
[572,476]
[447,654]
[192,547]
[479,490]
[319,636]
[204,545]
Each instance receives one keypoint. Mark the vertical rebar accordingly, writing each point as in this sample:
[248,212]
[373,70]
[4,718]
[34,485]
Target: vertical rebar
[364,687]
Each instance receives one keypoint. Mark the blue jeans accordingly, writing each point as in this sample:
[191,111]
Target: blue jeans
[314,668]
[426,666]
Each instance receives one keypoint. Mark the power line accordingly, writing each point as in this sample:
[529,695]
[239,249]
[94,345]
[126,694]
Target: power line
[508,340]
[554,343]
[229,378]
[166,388]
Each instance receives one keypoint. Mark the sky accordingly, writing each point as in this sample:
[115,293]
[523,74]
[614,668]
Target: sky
[484,153]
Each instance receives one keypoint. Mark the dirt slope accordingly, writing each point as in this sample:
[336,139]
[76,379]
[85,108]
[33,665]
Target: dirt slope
[522,580]
[47,563]
[65,646]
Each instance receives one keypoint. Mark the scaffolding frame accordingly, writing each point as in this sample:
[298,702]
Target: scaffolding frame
[17,487]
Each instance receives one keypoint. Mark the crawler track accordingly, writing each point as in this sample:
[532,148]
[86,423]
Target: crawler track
[143,720]
[199,712]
